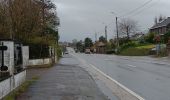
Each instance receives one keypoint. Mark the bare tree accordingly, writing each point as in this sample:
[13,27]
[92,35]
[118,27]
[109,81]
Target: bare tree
[22,20]
[128,27]
[159,19]
[4,22]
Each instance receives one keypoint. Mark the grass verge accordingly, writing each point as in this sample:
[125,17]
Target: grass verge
[21,89]
[137,51]
[146,47]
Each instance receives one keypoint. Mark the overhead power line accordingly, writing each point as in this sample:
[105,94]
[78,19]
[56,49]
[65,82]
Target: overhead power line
[134,12]
[136,9]
[141,10]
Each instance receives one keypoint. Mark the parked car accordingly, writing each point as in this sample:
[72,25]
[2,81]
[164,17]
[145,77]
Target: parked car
[87,51]
[66,52]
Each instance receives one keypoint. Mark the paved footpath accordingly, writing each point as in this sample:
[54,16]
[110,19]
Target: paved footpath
[65,81]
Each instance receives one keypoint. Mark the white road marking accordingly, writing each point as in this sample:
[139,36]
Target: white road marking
[132,66]
[107,59]
[123,92]
[119,84]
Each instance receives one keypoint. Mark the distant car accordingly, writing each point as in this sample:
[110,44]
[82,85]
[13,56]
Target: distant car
[87,51]
[66,52]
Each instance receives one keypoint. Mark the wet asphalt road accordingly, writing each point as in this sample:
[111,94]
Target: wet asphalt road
[146,76]
[65,81]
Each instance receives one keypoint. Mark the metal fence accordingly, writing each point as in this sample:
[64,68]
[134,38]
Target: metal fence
[38,51]
[3,75]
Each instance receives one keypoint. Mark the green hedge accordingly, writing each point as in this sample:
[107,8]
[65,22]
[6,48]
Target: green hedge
[59,52]
[127,45]
[135,52]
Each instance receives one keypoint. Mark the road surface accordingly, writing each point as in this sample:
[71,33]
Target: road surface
[145,76]
[65,81]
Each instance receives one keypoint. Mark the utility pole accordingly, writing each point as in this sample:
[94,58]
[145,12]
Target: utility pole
[117,32]
[96,37]
[106,33]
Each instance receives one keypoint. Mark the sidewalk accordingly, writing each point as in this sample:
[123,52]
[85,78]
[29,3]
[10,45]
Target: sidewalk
[65,81]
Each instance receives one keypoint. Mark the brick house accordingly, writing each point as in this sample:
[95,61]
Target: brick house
[161,27]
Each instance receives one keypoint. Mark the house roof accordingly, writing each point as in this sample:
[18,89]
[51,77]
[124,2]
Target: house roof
[165,22]
[100,44]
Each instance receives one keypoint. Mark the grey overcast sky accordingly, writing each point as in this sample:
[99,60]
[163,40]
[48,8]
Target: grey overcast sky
[82,18]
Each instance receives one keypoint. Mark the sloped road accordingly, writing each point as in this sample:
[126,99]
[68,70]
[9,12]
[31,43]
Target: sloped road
[148,78]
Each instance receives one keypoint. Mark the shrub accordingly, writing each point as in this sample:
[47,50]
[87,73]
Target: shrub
[166,37]
[59,52]
[123,41]
[149,38]
[127,45]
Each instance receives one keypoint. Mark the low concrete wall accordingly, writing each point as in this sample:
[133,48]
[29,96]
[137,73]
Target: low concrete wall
[35,62]
[11,83]
[19,78]
[25,52]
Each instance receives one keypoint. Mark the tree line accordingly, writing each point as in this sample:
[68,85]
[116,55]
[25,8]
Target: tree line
[29,21]
[88,43]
